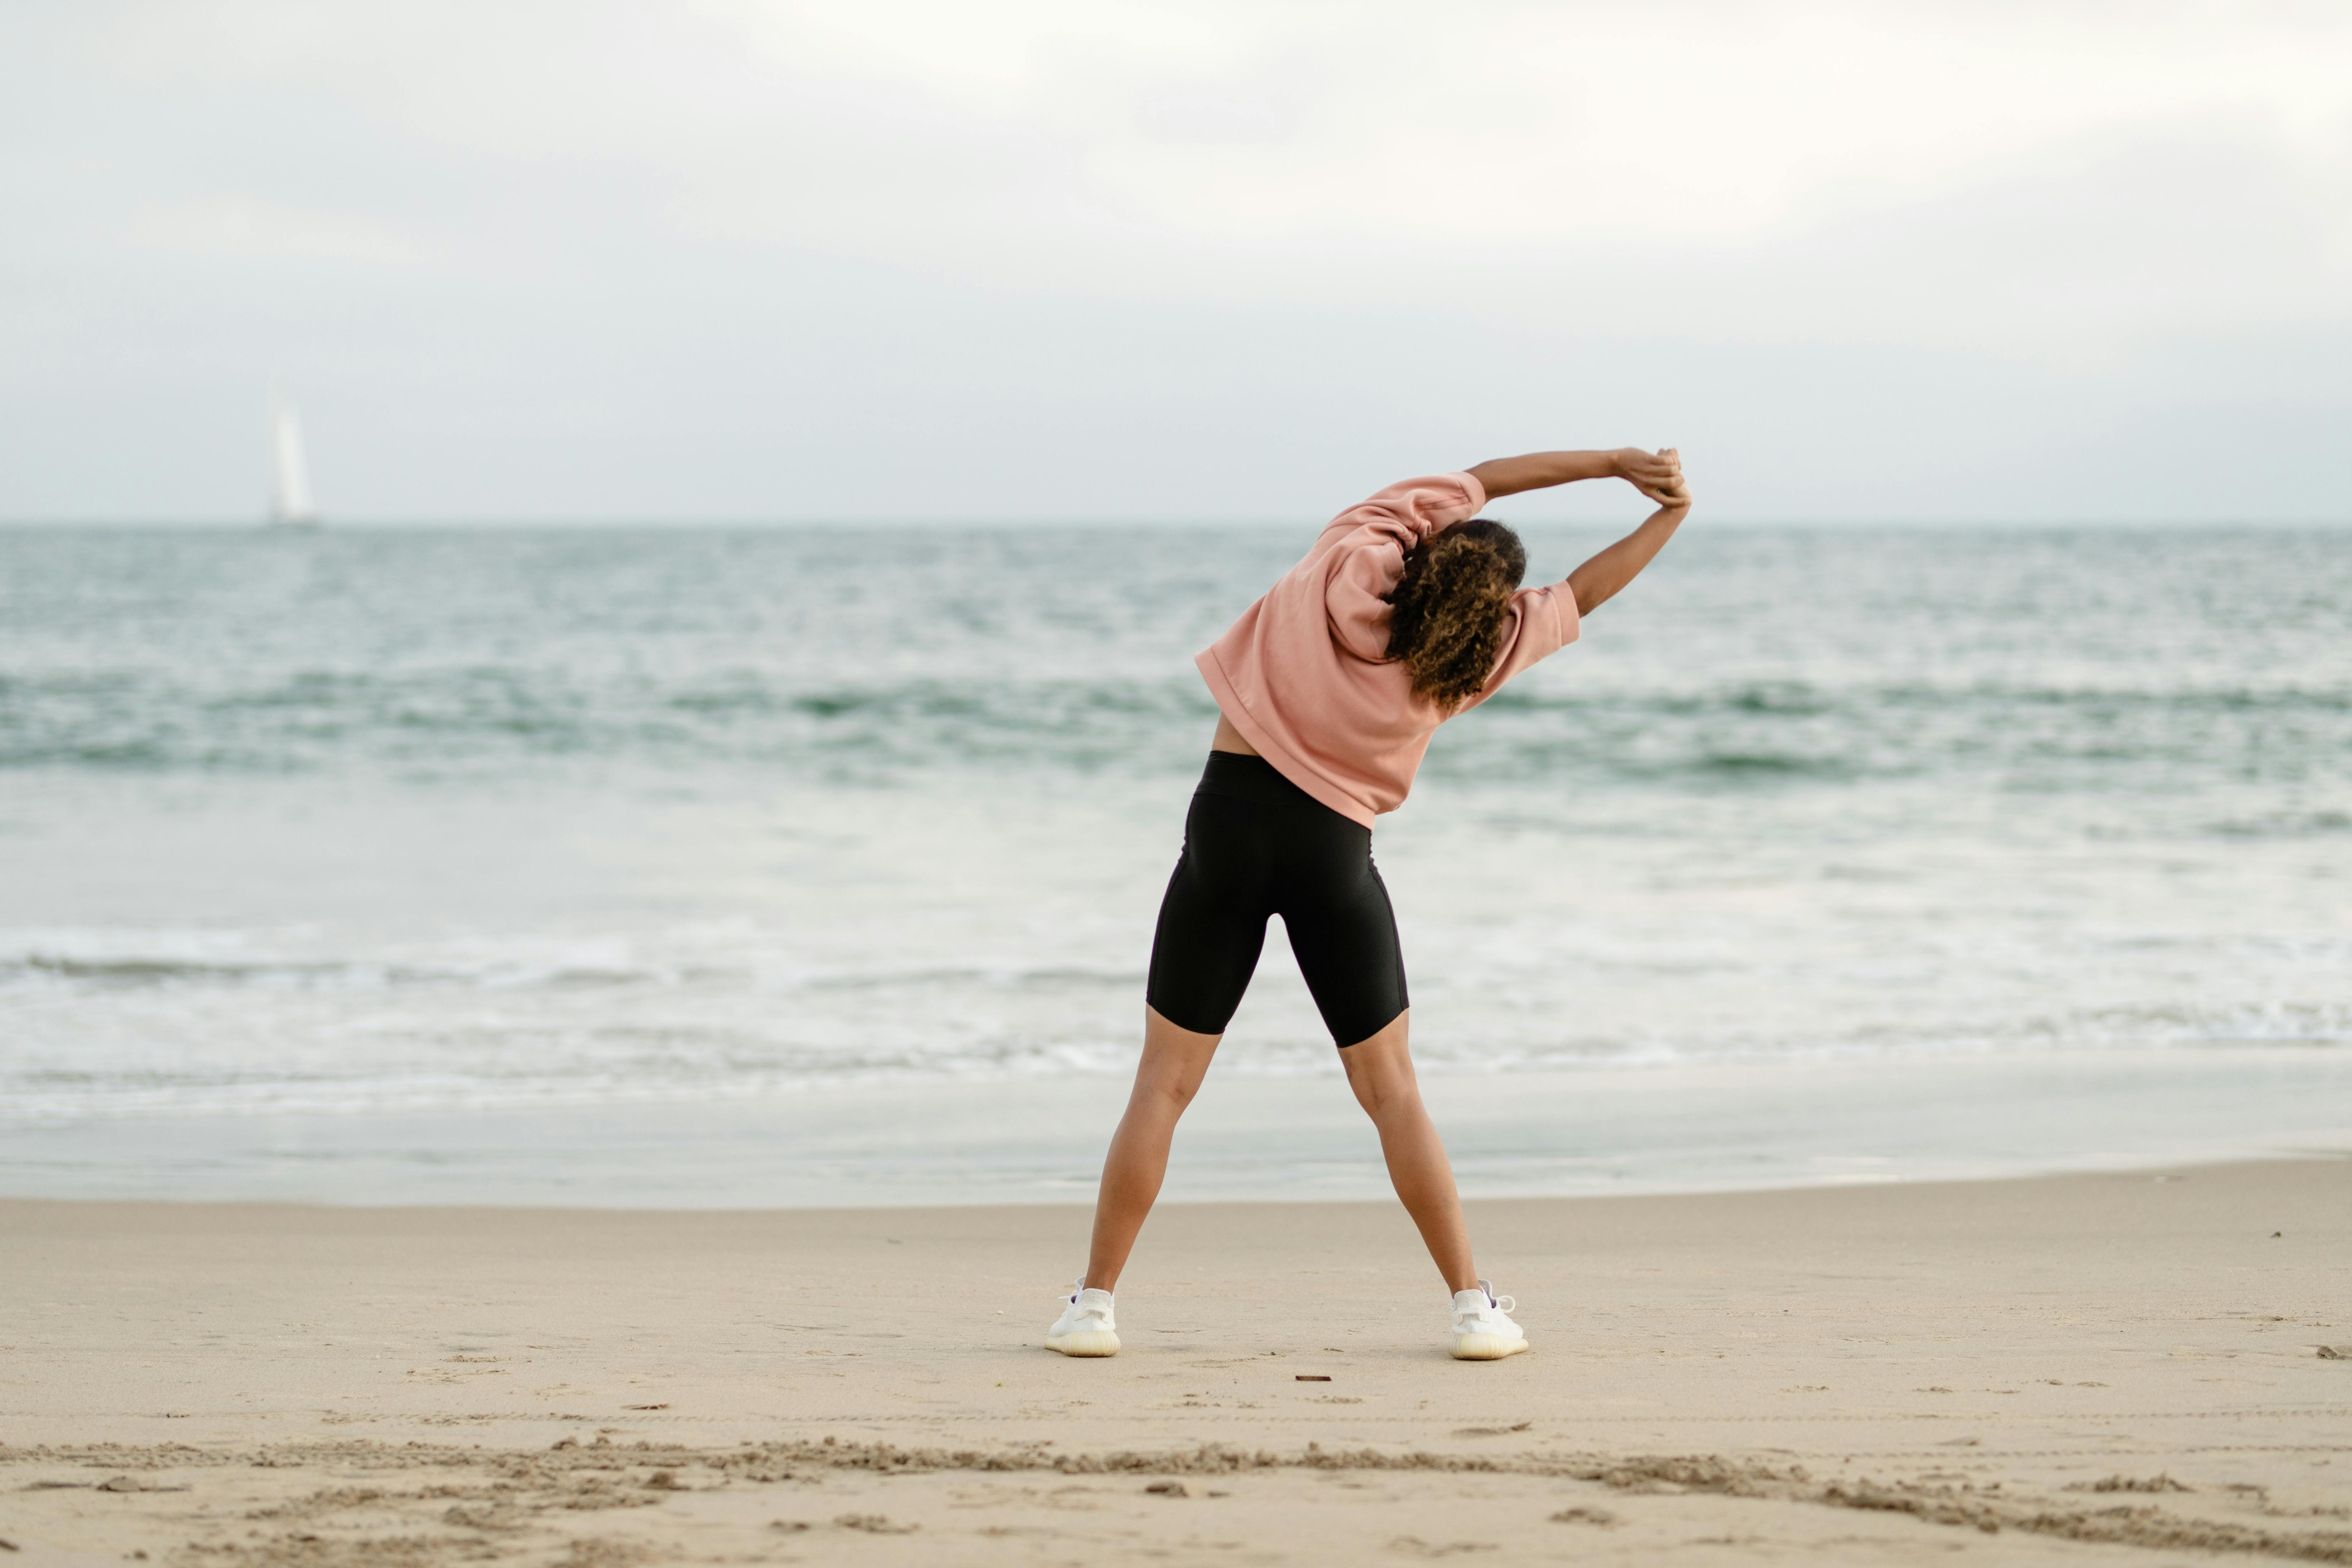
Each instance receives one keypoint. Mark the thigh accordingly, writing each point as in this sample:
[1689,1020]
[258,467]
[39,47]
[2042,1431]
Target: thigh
[1380,1067]
[1212,916]
[1343,929]
[1175,1059]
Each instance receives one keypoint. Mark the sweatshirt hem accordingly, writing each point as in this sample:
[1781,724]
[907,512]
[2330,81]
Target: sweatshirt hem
[1570,619]
[1229,702]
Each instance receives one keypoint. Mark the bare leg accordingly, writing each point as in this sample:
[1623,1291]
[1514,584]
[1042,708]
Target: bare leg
[1174,1062]
[1379,1070]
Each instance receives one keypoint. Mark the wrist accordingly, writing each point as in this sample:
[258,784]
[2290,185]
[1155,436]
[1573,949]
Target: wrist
[1568,468]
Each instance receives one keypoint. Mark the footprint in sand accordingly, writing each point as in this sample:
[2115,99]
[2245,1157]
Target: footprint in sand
[1414,1546]
[1599,1516]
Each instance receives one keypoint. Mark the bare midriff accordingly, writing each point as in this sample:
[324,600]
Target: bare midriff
[1230,739]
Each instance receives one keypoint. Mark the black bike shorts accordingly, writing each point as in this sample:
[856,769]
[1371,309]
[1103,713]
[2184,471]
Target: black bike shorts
[1257,845]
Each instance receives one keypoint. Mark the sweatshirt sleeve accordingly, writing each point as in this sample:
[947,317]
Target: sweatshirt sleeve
[1407,511]
[1546,622]
[1364,552]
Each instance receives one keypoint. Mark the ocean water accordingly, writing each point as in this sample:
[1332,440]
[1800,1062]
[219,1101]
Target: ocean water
[802,864]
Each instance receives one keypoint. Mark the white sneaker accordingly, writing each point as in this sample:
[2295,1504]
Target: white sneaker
[1483,1330]
[1088,1325]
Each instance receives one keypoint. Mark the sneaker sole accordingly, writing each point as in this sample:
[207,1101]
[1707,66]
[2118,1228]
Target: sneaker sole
[1486,1347]
[1092,1343]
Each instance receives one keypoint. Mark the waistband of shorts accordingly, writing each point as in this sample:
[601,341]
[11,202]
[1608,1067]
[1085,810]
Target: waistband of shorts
[1238,777]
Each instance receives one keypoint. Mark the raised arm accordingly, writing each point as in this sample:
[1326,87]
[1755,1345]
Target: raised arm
[1599,578]
[1658,475]
[1651,473]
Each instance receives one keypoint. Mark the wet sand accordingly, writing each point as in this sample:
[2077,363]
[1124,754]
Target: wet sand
[2125,1368]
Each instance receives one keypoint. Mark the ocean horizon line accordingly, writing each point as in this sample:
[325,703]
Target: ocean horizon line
[391,524]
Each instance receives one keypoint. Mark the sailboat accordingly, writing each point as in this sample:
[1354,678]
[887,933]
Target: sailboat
[289,489]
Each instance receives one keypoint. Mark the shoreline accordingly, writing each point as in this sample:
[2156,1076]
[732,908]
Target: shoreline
[1975,1356]
[2151,1167]
[1708,1127]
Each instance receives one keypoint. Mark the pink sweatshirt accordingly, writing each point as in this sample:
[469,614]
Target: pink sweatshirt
[1304,674]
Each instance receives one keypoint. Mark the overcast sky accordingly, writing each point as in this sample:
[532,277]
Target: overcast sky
[752,259]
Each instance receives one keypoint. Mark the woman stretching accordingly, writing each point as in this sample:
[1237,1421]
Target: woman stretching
[1407,612]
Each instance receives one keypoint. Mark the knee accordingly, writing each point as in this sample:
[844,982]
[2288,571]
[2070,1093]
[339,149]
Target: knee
[1169,1093]
[1384,1099]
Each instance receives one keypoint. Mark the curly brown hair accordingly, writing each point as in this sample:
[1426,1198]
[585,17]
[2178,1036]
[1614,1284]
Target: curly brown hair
[1447,612]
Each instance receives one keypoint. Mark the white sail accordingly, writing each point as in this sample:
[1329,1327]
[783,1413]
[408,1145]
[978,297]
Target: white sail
[289,493]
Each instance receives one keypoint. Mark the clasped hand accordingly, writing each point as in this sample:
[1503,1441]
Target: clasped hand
[1657,475]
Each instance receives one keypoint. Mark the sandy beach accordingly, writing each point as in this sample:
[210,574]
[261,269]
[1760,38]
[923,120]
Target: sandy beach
[2141,1367]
